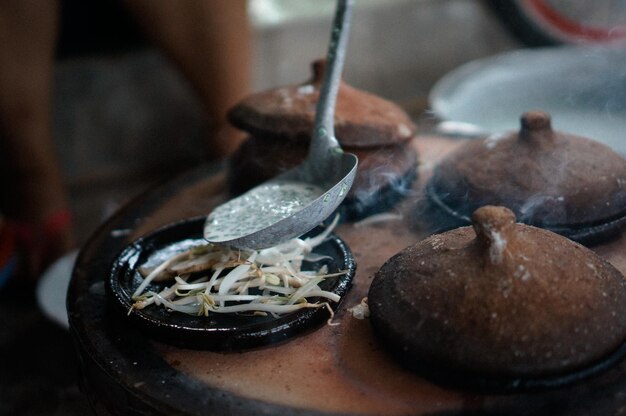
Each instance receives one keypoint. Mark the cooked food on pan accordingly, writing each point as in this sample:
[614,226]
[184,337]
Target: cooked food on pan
[209,278]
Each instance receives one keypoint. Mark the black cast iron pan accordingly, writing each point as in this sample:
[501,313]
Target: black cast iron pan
[217,331]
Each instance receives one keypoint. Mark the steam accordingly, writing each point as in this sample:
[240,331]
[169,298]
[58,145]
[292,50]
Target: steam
[549,172]
[381,186]
[546,205]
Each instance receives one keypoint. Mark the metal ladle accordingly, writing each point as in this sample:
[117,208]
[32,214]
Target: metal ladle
[296,201]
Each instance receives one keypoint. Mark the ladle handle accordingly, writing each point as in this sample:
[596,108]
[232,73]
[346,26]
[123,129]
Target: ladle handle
[323,137]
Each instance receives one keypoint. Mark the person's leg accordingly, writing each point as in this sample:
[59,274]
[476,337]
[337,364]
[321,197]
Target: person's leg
[31,187]
[210,41]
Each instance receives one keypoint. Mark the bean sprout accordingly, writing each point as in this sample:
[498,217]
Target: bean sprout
[241,281]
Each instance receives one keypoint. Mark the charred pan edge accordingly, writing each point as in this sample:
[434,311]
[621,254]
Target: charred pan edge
[493,383]
[445,218]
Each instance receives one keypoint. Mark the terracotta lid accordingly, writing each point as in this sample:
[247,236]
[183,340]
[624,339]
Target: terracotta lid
[362,119]
[500,301]
[548,178]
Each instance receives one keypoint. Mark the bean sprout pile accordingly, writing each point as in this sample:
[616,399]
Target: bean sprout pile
[210,278]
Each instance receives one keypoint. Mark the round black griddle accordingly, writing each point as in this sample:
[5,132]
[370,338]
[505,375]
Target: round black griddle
[217,331]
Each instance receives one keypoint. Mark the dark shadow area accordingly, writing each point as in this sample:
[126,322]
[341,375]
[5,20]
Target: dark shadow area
[96,26]
[38,365]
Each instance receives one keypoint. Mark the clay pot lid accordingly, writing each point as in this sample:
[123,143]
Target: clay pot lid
[548,178]
[362,119]
[502,303]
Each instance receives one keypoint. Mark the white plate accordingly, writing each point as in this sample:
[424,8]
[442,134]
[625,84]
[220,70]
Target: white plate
[52,289]
[583,88]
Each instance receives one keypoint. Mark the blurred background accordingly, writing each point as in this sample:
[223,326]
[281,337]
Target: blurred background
[124,118]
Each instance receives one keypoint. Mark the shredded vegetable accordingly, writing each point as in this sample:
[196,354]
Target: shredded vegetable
[210,278]
[360,311]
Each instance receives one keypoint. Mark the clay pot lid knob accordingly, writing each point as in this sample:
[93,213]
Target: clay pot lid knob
[536,127]
[495,228]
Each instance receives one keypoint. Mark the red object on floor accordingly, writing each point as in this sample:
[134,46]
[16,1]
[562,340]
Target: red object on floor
[7,252]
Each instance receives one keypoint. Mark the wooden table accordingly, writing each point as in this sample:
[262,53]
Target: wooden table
[332,370]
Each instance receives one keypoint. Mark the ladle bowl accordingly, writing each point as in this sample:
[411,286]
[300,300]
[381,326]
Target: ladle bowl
[296,201]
